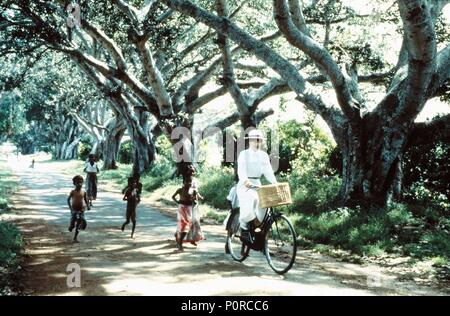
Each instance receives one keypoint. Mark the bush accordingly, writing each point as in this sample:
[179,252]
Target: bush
[400,228]
[398,215]
[313,194]
[215,184]
[84,149]
[419,193]
[10,244]
[299,142]
[434,243]
[119,175]
[10,237]
[162,171]
[126,153]
[427,169]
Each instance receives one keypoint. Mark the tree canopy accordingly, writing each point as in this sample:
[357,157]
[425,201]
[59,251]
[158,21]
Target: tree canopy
[148,66]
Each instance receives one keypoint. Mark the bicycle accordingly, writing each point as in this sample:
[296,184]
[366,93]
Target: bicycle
[275,237]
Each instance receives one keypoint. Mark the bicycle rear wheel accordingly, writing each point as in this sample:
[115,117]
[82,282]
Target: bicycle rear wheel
[238,250]
[280,247]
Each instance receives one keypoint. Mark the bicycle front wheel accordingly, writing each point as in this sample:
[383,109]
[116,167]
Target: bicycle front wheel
[281,245]
[238,250]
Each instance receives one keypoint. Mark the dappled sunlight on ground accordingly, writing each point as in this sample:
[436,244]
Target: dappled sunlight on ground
[114,264]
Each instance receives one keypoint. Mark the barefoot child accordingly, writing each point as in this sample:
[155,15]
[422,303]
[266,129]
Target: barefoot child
[132,196]
[186,202]
[75,202]
[195,232]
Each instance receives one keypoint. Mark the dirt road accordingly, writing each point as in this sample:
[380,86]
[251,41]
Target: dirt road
[113,264]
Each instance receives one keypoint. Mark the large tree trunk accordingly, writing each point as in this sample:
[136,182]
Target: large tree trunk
[371,164]
[183,145]
[57,151]
[96,148]
[71,151]
[111,145]
[144,147]
[67,140]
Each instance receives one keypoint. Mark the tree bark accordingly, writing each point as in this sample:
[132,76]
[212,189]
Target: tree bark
[371,164]
[144,147]
[67,139]
[111,145]
[371,142]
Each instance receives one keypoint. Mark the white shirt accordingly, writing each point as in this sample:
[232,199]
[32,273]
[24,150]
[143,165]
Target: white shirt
[254,164]
[91,168]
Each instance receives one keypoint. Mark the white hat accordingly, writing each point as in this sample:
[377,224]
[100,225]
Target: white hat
[255,134]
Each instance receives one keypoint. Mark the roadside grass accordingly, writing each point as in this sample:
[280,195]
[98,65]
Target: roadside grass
[67,167]
[118,176]
[11,241]
[375,232]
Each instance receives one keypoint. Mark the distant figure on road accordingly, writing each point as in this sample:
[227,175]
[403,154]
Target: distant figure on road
[32,164]
[132,196]
[77,208]
[92,170]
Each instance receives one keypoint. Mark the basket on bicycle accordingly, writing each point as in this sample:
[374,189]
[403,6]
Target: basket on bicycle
[274,195]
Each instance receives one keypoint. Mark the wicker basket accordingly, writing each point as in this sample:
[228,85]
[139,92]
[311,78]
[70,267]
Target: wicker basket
[274,195]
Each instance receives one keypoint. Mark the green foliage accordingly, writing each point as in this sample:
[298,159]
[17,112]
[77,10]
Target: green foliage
[440,261]
[164,147]
[400,228]
[25,142]
[10,244]
[164,193]
[12,121]
[161,171]
[300,144]
[215,184]
[218,217]
[419,193]
[126,152]
[304,163]
[10,238]
[7,188]
[427,170]
[313,193]
[84,148]
[119,175]
[360,53]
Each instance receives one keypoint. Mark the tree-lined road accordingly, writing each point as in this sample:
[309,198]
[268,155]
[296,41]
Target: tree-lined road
[113,264]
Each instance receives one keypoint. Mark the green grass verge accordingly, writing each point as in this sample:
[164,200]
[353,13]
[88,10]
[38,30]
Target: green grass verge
[399,229]
[11,241]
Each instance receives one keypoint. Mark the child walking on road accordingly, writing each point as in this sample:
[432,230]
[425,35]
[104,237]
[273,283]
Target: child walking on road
[132,196]
[185,217]
[76,206]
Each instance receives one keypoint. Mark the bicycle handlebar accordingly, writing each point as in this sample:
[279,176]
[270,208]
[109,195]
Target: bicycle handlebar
[254,187]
